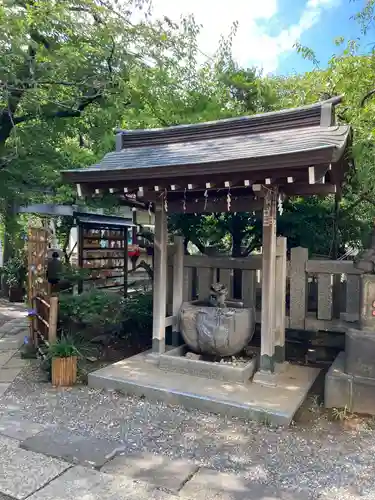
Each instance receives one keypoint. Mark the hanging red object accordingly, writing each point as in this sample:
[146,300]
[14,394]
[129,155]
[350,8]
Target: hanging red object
[134,251]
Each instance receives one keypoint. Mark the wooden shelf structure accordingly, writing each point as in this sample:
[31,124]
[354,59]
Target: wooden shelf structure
[103,250]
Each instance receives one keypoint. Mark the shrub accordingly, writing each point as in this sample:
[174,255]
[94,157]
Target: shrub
[108,312]
[14,271]
[96,308]
[138,313]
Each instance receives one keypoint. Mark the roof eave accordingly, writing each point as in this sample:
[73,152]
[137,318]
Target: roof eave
[301,159]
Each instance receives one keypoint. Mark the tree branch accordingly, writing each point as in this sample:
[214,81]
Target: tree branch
[195,240]
[367,96]
[249,249]
[63,113]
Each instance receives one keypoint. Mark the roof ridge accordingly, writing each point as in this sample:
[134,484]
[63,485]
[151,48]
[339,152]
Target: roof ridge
[301,117]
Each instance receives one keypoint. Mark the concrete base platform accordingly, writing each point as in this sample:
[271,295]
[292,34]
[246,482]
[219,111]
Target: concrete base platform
[175,361]
[342,390]
[276,405]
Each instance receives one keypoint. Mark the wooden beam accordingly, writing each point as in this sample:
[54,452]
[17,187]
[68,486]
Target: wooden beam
[242,204]
[300,189]
[251,263]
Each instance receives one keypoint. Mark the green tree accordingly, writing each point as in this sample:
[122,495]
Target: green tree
[68,70]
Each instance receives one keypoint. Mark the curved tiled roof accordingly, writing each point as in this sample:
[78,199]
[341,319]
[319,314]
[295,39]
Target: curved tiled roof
[268,143]
[282,142]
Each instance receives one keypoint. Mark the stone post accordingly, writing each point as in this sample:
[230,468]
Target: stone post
[298,287]
[280,292]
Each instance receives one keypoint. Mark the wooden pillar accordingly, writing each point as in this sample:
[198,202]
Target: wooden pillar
[280,293]
[80,250]
[160,281]
[267,345]
[178,286]
[126,261]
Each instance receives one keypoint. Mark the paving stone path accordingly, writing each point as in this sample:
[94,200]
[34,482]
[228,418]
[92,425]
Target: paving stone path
[46,462]
[12,335]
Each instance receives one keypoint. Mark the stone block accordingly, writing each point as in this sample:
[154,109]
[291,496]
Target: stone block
[212,485]
[156,470]
[363,397]
[176,361]
[4,386]
[367,298]
[360,353]
[344,390]
[5,356]
[19,429]
[67,445]
[337,388]
[80,483]
[9,374]
[24,472]
[16,362]
[11,343]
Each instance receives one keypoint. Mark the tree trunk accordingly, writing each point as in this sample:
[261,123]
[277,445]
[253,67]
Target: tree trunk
[9,221]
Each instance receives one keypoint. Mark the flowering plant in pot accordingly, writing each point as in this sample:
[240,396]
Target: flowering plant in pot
[63,355]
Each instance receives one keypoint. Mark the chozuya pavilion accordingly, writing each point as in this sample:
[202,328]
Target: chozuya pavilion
[239,165]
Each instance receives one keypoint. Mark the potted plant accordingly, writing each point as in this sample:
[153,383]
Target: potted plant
[63,354]
[14,274]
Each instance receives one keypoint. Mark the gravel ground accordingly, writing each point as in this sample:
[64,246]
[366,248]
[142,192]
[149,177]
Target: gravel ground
[320,457]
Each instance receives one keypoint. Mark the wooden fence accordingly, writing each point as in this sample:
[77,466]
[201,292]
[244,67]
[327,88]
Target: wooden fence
[319,294]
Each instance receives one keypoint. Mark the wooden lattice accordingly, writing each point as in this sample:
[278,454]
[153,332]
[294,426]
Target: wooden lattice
[37,262]
[45,307]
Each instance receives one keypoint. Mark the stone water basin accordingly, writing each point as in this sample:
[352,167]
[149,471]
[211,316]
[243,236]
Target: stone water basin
[219,331]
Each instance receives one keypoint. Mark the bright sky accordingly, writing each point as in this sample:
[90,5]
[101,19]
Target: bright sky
[268,29]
